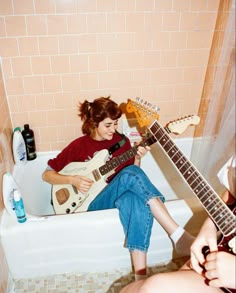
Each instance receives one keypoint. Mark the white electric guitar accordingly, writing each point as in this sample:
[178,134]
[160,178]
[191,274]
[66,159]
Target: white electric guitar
[221,214]
[67,199]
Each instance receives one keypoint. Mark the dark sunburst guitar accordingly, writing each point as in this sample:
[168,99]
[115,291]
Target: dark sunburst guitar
[221,214]
[67,199]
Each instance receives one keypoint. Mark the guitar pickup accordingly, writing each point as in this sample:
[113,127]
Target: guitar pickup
[75,189]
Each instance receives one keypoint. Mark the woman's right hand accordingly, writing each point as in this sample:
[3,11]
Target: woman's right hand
[206,237]
[82,183]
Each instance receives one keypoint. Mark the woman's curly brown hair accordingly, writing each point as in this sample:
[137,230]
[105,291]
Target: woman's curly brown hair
[93,113]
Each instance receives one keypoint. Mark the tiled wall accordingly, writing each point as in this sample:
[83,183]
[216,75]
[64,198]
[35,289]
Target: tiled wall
[57,53]
[6,164]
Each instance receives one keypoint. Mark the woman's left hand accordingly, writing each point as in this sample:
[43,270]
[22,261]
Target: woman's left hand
[141,151]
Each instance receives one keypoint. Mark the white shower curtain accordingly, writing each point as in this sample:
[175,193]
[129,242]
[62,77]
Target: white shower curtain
[221,112]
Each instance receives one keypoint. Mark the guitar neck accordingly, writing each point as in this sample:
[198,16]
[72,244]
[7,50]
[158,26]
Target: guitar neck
[216,208]
[129,154]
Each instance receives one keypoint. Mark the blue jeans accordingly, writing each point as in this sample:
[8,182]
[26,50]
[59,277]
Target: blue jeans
[129,191]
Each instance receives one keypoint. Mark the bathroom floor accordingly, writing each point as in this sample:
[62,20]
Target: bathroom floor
[106,282]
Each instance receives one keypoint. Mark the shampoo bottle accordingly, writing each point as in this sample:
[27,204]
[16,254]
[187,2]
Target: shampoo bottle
[19,206]
[18,147]
[28,136]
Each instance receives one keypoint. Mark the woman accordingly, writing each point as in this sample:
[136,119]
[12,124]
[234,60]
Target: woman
[211,274]
[129,190]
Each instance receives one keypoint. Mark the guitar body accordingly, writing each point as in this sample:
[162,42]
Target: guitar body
[228,243]
[66,198]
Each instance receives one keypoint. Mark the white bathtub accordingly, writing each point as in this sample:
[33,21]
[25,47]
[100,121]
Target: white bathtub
[49,244]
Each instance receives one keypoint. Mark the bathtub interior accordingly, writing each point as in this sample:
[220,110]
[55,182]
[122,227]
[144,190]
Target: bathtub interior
[37,194]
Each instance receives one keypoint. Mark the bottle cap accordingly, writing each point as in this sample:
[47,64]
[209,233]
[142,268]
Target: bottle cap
[17,129]
[26,126]
[16,195]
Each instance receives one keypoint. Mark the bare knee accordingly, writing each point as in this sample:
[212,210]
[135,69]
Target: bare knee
[151,284]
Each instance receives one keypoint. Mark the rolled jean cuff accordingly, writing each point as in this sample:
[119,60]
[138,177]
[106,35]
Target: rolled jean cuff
[159,196]
[131,248]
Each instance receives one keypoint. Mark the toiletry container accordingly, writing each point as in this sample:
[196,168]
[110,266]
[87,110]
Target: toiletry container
[28,136]
[19,206]
[8,187]
[18,147]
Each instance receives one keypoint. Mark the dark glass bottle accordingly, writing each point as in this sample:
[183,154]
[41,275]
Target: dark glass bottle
[28,136]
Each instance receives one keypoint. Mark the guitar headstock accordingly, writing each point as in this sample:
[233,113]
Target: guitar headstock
[145,112]
[180,125]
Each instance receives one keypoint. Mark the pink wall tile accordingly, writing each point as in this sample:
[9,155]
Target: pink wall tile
[71,83]
[46,45]
[8,47]
[115,22]
[77,23]
[45,6]
[36,25]
[23,6]
[96,23]
[66,6]
[171,21]
[21,66]
[26,103]
[44,101]
[60,64]
[87,43]
[178,40]
[2,28]
[56,24]
[135,22]
[51,84]
[206,21]
[6,7]
[28,46]
[88,81]
[33,84]
[106,5]
[163,5]
[79,63]
[14,86]
[87,6]
[97,62]
[181,5]
[68,44]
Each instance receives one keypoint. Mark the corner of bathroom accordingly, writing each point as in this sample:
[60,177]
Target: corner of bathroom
[177,56]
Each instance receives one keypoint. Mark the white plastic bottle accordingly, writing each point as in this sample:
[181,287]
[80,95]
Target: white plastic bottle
[8,187]
[18,147]
[19,206]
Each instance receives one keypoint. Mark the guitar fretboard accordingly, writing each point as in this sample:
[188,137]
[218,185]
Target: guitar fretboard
[117,161]
[216,208]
